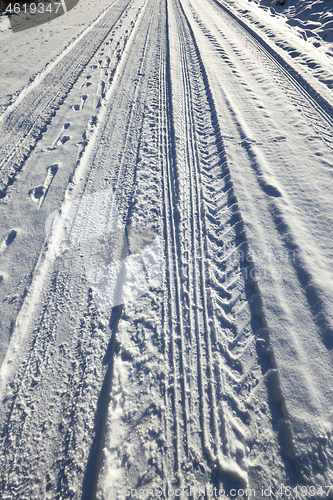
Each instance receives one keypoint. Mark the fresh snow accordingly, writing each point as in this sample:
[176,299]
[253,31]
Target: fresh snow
[166,252]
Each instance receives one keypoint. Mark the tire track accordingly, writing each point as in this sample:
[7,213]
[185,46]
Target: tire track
[289,431]
[141,447]
[196,285]
[173,313]
[225,306]
[192,211]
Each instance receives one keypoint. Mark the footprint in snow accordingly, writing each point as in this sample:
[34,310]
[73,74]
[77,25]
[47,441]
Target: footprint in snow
[248,141]
[60,136]
[279,138]
[8,240]
[38,193]
[84,98]
[106,62]
[64,139]
[86,83]
[271,190]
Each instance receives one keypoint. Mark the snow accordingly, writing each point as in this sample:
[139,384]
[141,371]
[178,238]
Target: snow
[314,59]
[166,251]
[313,18]
[29,52]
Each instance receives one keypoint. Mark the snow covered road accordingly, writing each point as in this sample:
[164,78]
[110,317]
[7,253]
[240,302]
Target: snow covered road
[165,264]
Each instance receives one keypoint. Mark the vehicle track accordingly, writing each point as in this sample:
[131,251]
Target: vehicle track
[237,59]
[141,360]
[193,419]
[220,304]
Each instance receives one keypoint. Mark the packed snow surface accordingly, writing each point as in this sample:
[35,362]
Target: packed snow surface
[166,229]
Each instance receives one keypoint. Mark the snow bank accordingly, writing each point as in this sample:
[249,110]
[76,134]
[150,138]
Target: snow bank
[313,18]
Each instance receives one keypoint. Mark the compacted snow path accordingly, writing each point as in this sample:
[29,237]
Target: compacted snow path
[165,266]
